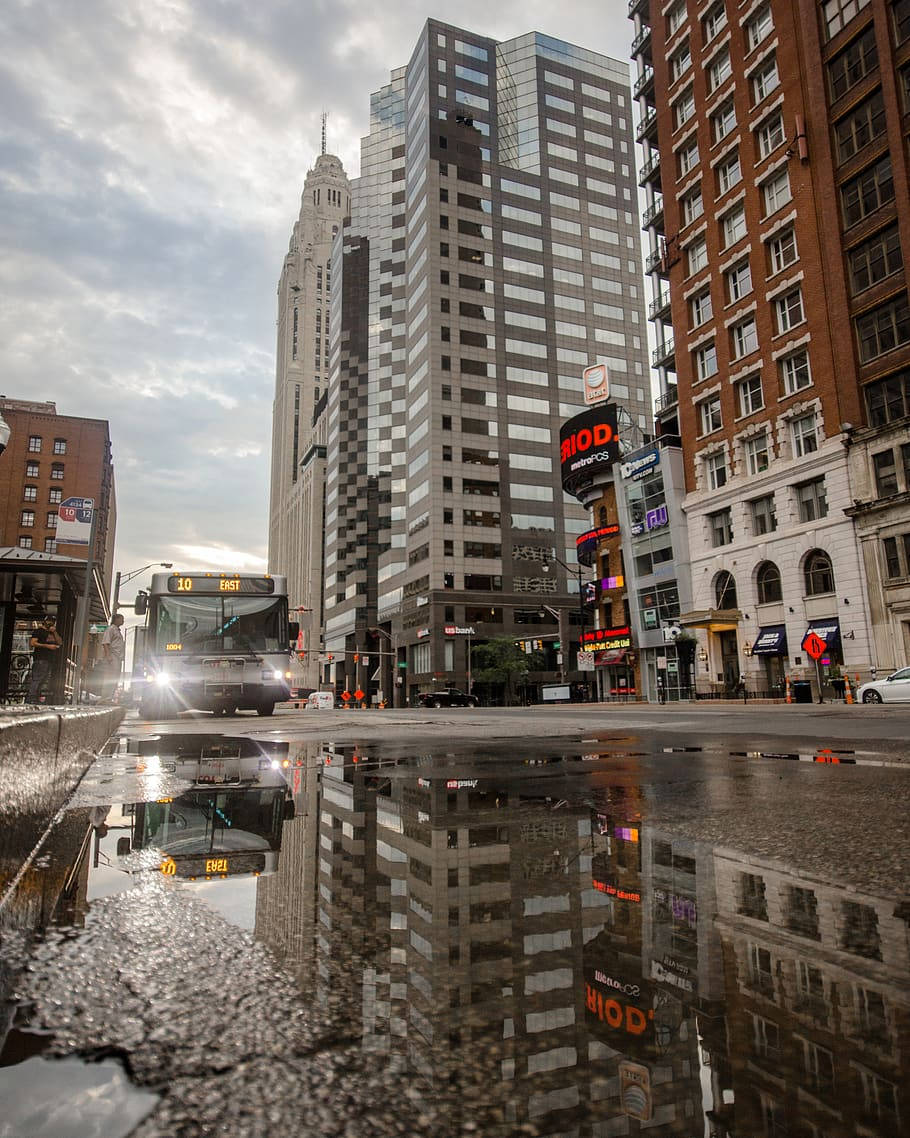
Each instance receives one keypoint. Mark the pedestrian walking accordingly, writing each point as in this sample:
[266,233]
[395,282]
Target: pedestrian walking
[113,649]
[45,643]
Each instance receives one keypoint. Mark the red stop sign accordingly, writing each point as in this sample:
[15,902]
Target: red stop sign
[814,646]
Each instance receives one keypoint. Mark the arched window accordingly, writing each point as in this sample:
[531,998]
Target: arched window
[819,573]
[768,582]
[602,516]
[724,591]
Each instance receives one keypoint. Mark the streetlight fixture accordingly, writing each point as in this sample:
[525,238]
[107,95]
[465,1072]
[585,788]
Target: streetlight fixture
[122,578]
[549,556]
[393,652]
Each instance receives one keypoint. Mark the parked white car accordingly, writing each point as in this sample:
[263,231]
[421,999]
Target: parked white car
[892,689]
[321,701]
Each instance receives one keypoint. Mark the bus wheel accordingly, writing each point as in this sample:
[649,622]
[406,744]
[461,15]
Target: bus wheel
[265,708]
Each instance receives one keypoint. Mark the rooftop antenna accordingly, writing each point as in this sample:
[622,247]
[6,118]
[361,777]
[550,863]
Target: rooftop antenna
[324,116]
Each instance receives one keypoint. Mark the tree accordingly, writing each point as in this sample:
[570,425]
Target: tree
[501,661]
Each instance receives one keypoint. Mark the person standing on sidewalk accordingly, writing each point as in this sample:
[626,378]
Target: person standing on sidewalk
[113,649]
[45,643]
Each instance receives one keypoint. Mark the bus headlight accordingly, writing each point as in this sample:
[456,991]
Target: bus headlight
[273,675]
[162,679]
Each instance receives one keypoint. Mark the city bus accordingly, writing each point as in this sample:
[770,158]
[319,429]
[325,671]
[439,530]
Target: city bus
[229,821]
[218,642]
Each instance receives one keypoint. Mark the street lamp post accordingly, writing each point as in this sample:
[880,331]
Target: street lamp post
[122,578]
[393,652]
[547,558]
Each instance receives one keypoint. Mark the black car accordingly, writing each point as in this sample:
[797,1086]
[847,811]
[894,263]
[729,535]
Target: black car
[448,697]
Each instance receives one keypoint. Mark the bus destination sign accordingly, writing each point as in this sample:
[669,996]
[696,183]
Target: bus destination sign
[220,583]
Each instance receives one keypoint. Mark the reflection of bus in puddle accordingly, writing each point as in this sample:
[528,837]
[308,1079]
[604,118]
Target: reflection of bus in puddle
[229,822]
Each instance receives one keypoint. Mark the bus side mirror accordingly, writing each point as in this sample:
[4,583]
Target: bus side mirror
[141,606]
[123,847]
[293,631]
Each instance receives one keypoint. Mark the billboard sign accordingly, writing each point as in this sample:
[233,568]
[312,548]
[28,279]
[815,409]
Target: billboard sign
[74,521]
[596,381]
[588,445]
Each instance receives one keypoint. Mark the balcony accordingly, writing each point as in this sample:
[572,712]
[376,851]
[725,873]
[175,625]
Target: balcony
[654,214]
[659,308]
[642,41]
[664,355]
[653,261]
[643,82]
[638,6]
[650,172]
[647,128]
[668,399]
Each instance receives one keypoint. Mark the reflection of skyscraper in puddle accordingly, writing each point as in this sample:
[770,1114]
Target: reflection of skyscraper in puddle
[817,1008]
[649,992]
[286,901]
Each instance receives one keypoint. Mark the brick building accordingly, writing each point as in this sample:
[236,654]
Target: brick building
[775,164]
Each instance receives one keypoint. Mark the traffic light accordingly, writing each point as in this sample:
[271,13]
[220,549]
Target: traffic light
[330,657]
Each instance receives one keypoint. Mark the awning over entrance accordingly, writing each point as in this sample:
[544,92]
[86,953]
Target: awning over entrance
[771,641]
[828,629]
[713,620]
[602,659]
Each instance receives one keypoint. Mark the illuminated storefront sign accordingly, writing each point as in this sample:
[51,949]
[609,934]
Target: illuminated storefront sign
[607,639]
[607,583]
[640,466]
[654,519]
[457,630]
[615,891]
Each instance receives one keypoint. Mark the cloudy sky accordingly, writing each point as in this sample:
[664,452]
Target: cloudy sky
[152,156]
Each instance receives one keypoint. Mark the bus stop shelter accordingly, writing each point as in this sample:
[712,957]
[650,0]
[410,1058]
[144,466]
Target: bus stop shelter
[33,586]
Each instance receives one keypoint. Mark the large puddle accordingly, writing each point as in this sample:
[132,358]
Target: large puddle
[226,935]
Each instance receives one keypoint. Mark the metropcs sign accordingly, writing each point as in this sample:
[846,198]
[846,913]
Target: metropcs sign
[588,444]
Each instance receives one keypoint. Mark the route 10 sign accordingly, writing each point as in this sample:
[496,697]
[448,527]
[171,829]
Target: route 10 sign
[74,521]
[814,646]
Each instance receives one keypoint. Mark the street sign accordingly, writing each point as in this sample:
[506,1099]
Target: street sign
[74,521]
[814,646]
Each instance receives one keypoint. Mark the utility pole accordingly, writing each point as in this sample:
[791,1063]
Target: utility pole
[82,610]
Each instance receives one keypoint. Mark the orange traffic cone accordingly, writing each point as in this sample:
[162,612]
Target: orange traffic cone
[789,693]
[848,690]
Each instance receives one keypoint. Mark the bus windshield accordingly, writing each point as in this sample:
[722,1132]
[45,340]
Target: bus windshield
[220,624]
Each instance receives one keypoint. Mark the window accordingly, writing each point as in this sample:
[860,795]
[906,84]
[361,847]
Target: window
[750,394]
[718,69]
[706,361]
[836,14]
[710,415]
[680,62]
[723,120]
[776,192]
[30,494]
[888,399]
[59,446]
[901,14]
[714,21]
[752,900]
[739,281]
[34,443]
[729,172]
[891,556]
[770,134]
[27,518]
[758,27]
[811,500]
[720,525]
[700,308]
[734,225]
[25,542]
[782,250]
[853,63]
[55,496]
[875,259]
[795,372]
[883,329]
[692,206]
[805,438]
[697,254]
[745,338]
[818,574]
[860,127]
[716,469]
[51,522]
[788,310]
[865,193]
[758,456]
[31,470]
[684,108]
[765,1038]
[50,545]
[764,79]
[884,467]
[676,17]
[688,158]
[724,598]
[764,520]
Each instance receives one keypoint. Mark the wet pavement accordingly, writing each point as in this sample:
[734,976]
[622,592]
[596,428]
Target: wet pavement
[619,932]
